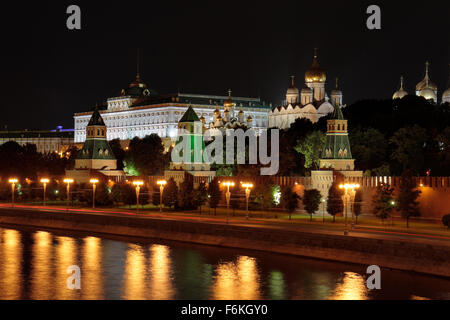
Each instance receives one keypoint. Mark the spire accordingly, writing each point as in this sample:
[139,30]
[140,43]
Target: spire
[315,53]
[401,82]
[337,87]
[138,76]
[229,93]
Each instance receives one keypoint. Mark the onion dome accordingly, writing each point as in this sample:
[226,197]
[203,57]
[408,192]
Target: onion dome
[219,118]
[249,119]
[306,90]
[428,94]
[217,111]
[241,112]
[292,90]
[446,94]
[401,92]
[336,91]
[202,119]
[229,102]
[426,82]
[315,73]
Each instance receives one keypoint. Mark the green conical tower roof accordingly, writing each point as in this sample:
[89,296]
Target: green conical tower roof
[337,144]
[96,119]
[189,116]
[337,114]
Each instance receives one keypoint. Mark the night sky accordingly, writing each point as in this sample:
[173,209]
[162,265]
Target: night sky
[48,72]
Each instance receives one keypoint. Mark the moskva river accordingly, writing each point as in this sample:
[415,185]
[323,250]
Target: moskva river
[34,265]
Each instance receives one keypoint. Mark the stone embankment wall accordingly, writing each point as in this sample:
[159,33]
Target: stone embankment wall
[394,254]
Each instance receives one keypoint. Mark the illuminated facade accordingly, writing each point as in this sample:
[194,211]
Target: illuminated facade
[139,111]
[311,102]
[46,141]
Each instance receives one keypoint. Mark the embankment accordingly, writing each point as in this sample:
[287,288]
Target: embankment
[396,254]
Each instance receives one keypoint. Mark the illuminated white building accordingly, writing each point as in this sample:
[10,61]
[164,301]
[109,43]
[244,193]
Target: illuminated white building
[311,102]
[139,111]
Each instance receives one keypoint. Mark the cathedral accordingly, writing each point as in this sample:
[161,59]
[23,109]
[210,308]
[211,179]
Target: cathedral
[311,102]
[425,88]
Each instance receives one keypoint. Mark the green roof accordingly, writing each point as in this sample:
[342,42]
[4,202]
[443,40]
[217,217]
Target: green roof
[335,143]
[337,114]
[96,119]
[96,149]
[189,116]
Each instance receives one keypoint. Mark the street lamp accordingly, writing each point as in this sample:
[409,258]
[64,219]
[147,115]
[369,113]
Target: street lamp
[13,182]
[161,184]
[45,181]
[94,184]
[248,187]
[323,209]
[68,181]
[348,196]
[138,185]
[228,184]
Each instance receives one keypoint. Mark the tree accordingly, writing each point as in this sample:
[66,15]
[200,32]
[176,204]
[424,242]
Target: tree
[311,148]
[266,195]
[118,152]
[145,157]
[357,205]
[311,201]
[369,148]
[170,194]
[334,204]
[446,220]
[407,196]
[200,196]
[289,200]
[408,145]
[186,194]
[214,194]
[383,201]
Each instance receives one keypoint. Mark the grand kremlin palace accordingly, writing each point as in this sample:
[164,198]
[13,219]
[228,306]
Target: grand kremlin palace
[139,111]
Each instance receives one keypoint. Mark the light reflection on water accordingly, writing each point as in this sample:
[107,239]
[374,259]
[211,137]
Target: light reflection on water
[33,265]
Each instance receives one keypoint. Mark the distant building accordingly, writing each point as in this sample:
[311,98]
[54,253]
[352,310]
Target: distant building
[311,102]
[139,111]
[96,154]
[46,141]
[425,88]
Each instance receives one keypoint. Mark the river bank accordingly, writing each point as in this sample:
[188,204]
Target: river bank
[396,254]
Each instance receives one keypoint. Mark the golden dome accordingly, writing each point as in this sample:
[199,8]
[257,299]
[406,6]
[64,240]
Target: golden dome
[401,92]
[428,94]
[315,73]
[426,82]
[228,103]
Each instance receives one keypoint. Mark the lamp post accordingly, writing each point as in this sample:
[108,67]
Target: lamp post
[248,187]
[161,184]
[68,181]
[323,209]
[138,185]
[228,184]
[348,196]
[94,184]
[44,181]
[13,182]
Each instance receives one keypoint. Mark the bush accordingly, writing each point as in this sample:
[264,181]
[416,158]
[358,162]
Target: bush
[446,220]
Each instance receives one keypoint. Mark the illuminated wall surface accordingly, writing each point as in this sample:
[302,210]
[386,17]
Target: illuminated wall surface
[33,265]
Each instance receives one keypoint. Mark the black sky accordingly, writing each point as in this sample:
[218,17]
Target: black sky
[48,72]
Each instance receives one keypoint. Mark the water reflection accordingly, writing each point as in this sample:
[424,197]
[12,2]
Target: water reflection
[351,287]
[41,266]
[135,273]
[11,271]
[33,264]
[92,269]
[237,280]
[161,287]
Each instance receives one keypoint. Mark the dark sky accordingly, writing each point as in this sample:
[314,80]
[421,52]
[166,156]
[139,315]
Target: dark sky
[47,72]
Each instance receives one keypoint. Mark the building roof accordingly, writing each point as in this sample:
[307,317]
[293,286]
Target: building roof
[189,116]
[96,119]
[35,134]
[337,114]
[96,149]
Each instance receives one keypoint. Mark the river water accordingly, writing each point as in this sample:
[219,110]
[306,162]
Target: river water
[34,263]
